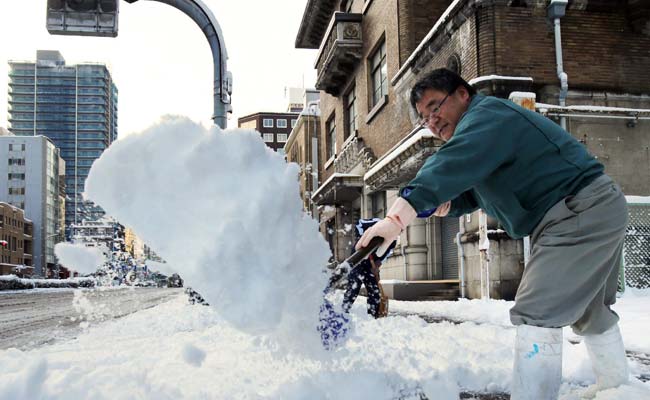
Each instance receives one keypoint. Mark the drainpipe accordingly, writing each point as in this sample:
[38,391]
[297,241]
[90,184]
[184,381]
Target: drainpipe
[461,251]
[484,247]
[556,10]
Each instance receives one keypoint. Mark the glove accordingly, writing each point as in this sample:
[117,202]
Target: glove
[397,219]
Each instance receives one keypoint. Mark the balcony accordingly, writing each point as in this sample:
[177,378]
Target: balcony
[340,52]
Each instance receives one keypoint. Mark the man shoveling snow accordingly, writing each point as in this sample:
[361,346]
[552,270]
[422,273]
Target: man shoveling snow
[537,180]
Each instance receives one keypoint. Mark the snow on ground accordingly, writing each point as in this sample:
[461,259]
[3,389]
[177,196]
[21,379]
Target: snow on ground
[182,351]
[226,208]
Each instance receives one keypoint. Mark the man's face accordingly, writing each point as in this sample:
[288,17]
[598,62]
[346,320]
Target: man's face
[442,110]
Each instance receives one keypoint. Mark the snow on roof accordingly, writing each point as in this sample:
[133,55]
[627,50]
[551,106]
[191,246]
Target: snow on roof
[479,79]
[390,156]
[331,178]
[590,108]
[638,199]
[443,18]
[522,94]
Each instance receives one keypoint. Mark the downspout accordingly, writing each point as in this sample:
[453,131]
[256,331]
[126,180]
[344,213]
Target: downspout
[461,251]
[556,10]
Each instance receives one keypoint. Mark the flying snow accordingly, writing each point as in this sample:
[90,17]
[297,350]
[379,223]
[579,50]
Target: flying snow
[225,210]
[78,257]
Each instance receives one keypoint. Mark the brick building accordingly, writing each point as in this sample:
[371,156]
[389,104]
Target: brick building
[371,52]
[274,127]
[15,242]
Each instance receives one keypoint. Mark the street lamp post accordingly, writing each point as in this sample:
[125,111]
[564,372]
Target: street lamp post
[87,17]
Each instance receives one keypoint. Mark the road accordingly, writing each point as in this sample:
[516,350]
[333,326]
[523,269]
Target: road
[32,318]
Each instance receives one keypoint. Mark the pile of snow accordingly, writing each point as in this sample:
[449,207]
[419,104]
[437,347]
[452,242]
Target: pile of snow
[225,211]
[78,257]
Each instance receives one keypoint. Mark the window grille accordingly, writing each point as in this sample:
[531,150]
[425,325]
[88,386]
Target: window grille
[636,247]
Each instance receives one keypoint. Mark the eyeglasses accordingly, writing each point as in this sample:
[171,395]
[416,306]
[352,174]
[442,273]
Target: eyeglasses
[423,121]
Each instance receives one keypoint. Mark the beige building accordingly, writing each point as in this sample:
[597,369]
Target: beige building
[133,244]
[302,148]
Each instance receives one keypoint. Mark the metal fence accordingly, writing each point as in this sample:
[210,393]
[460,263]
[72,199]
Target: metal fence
[636,248]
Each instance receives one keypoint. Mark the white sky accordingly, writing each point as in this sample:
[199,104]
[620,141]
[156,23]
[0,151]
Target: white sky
[161,61]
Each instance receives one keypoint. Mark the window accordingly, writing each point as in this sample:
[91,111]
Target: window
[267,123]
[378,74]
[293,123]
[16,161]
[282,137]
[268,137]
[16,190]
[16,176]
[331,138]
[351,113]
[281,123]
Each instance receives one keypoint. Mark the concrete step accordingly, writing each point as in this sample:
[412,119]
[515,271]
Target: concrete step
[415,290]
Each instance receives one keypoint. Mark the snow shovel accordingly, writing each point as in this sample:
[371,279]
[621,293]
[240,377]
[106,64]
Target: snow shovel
[334,325]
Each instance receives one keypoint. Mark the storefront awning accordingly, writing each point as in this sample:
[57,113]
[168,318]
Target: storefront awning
[338,189]
[402,162]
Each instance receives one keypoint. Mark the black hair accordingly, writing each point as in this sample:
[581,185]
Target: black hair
[439,79]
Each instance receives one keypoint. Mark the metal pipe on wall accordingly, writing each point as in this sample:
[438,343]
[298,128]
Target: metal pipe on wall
[461,251]
[556,10]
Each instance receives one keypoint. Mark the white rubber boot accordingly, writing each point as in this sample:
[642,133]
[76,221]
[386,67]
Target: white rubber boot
[537,371]
[607,355]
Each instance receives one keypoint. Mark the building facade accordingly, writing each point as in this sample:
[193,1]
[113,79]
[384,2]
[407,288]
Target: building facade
[371,53]
[274,127]
[106,234]
[73,105]
[133,245]
[302,148]
[15,242]
[30,170]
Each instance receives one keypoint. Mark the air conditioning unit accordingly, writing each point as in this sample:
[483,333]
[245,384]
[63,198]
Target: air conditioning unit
[82,17]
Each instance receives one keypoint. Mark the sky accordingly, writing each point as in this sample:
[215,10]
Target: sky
[162,63]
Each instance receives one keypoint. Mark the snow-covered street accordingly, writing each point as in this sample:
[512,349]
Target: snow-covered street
[31,318]
[182,351]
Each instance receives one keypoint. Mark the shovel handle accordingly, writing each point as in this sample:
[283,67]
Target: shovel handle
[360,254]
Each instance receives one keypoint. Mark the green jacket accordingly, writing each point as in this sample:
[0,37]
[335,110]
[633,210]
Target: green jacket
[513,163]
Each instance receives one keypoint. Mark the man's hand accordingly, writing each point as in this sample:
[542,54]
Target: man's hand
[397,219]
[385,228]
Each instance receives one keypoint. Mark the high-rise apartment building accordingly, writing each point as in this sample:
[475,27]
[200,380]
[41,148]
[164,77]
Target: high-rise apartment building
[73,105]
[29,180]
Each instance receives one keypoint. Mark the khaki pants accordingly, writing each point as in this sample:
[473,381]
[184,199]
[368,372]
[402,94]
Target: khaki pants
[572,276]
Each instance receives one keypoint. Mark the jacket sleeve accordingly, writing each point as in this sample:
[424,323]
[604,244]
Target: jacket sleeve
[481,144]
[463,204]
